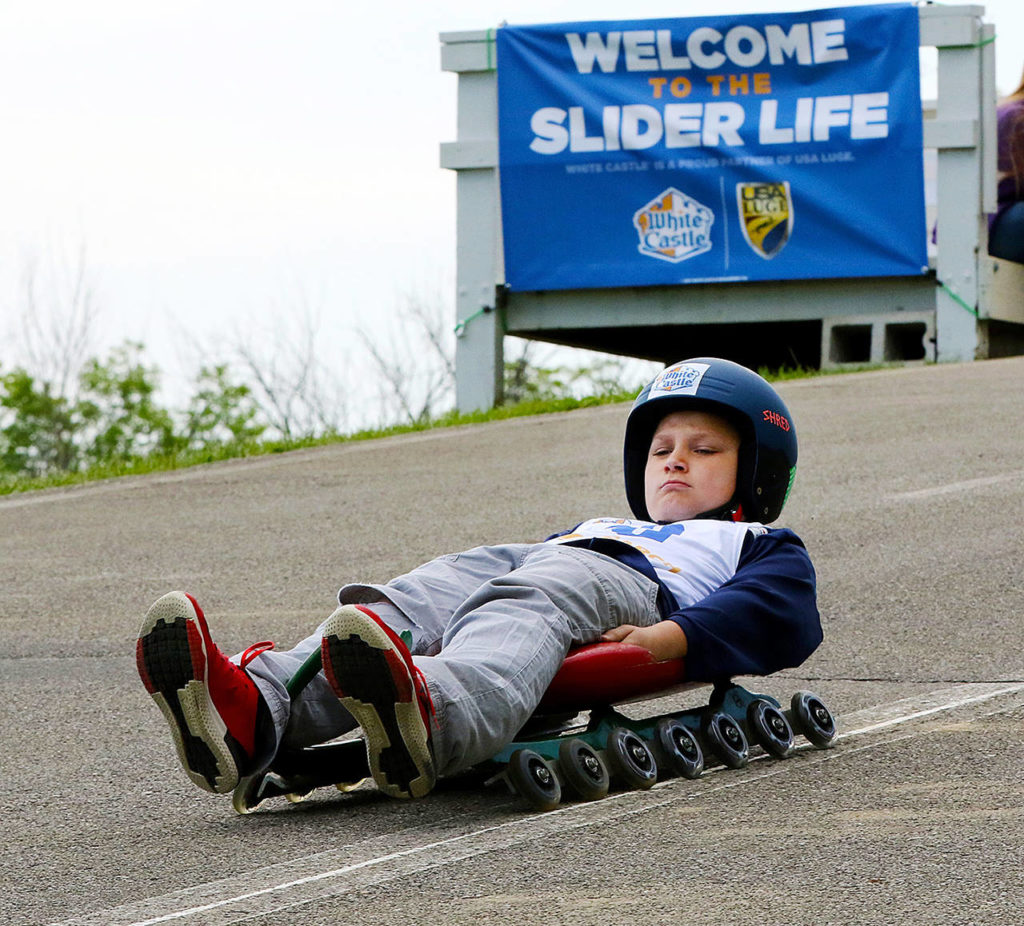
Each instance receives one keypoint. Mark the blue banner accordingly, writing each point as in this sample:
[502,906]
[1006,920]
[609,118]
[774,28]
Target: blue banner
[758,147]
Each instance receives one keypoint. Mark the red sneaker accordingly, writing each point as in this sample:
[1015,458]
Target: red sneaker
[209,702]
[372,672]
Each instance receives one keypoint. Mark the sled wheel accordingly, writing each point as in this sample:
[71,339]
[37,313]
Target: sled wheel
[771,730]
[685,756]
[631,759]
[583,769]
[727,740]
[534,780]
[813,719]
[253,790]
[242,803]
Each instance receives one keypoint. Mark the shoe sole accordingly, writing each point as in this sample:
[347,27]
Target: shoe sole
[171,658]
[370,677]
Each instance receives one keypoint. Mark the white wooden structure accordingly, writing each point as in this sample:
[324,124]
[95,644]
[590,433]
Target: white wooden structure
[969,305]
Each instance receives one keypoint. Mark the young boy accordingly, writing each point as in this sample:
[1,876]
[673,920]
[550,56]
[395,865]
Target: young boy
[708,444]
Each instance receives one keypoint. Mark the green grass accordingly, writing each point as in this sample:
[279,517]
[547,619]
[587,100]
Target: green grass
[788,373]
[155,463]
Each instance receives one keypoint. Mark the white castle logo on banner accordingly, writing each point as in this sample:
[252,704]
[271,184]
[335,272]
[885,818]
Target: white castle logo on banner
[673,227]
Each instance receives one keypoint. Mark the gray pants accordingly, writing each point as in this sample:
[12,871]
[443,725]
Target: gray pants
[490,628]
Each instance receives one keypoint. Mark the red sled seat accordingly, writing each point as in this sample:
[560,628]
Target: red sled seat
[611,673]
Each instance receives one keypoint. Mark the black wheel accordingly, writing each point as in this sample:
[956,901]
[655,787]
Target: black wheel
[583,769]
[770,728]
[631,759]
[685,757]
[252,791]
[813,719]
[244,798]
[534,780]
[726,740]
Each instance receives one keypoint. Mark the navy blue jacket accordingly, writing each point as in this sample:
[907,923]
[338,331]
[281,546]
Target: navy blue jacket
[763,619]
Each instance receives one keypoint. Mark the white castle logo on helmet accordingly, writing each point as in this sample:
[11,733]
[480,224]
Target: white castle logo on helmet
[682,379]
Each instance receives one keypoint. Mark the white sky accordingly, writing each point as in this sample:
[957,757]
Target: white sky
[222,161]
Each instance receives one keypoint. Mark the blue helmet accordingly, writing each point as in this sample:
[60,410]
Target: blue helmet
[767,457]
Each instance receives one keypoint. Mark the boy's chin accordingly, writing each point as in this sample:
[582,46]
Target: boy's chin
[668,511]
[669,515]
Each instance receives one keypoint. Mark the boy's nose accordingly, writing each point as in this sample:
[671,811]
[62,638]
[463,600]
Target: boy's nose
[676,461]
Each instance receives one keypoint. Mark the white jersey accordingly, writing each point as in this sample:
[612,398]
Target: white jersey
[692,558]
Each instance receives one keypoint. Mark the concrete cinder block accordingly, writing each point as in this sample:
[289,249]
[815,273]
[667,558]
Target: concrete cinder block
[898,337]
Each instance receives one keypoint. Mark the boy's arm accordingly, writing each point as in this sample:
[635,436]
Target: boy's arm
[765,618]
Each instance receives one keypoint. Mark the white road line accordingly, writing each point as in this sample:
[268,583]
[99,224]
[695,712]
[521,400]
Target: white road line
[293,891]
[954,487]
[988,692]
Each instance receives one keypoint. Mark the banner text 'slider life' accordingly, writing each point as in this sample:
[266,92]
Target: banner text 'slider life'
[757,147]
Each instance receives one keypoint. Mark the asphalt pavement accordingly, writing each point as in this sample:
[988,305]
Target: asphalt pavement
[909,497]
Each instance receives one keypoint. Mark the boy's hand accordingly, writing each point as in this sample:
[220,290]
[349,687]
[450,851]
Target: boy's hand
[664,640]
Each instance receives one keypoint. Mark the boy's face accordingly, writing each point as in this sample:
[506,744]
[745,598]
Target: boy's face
[691,466]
